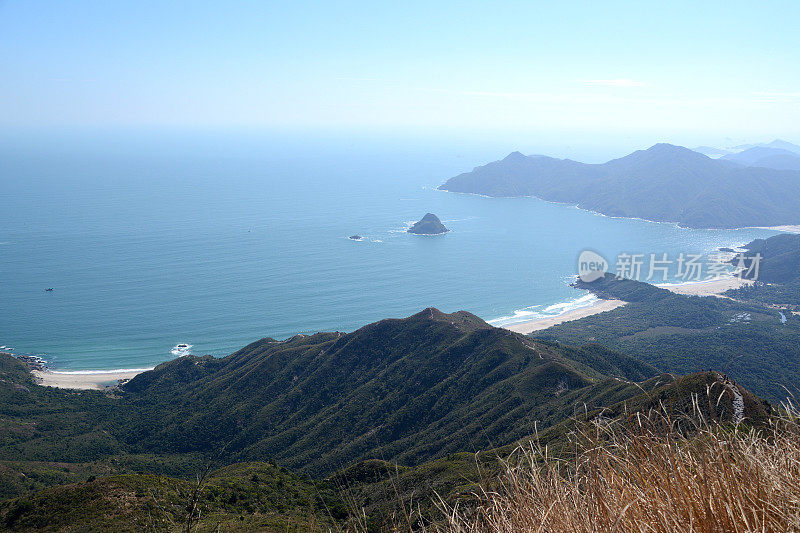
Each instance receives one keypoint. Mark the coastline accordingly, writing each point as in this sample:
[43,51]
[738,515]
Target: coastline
[89,380]
[787,228]
[713,287]
[601,306]
[101,380]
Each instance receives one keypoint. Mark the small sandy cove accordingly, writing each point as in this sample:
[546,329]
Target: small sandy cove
[714,287]
[96,381]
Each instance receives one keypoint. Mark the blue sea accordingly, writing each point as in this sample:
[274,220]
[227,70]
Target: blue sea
[217,240]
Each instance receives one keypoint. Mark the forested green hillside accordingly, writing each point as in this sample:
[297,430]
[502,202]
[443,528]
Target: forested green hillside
[683,334]
[372,495]
[383,418]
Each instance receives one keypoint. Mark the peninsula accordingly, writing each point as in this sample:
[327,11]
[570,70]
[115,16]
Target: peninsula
[664,183]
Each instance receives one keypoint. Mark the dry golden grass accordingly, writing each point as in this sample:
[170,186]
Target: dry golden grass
[647,474]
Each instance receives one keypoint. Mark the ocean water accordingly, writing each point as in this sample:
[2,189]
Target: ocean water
[217,242]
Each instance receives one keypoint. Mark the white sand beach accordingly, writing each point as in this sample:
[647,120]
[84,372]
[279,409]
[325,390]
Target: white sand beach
[716,287]
[712,287]
[787,229]
[600,306]
[95,381]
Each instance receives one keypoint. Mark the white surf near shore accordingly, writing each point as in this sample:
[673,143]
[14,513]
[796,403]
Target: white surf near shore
[526,320]
[181,349]
[536,312]
[590,304]
[597,306]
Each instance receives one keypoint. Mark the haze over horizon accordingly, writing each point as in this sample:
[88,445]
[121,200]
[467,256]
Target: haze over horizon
[431,266]
[519,74]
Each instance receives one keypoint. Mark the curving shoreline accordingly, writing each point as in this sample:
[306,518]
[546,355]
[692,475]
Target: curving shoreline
[713,287]
[601,306]
[100,380]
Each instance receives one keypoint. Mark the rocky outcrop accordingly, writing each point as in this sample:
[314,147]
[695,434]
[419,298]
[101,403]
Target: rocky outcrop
[428,225]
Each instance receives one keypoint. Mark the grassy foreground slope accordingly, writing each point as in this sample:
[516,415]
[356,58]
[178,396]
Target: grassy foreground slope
[636,477]
[371,495]
[386,418]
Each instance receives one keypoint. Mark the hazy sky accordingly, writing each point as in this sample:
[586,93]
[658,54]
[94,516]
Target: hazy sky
[664,69]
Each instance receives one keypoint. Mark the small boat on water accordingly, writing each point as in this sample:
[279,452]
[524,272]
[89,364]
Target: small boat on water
[49,289]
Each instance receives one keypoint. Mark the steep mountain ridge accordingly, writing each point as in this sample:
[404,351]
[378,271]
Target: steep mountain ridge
[407,389]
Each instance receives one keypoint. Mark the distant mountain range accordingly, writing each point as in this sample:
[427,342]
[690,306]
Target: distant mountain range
[777,143]
[778,154]
[761,156]
[664,183]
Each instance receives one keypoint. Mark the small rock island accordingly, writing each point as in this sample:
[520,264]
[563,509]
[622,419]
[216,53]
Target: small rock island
[429,225]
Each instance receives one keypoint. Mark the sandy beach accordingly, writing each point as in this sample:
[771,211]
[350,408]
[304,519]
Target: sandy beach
[95,381]
[713,287]
[787,229]
[543,323]
[100,380]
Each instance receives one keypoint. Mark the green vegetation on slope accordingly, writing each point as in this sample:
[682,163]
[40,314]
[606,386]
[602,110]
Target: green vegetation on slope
[779,258]
[402,390]
[778,272]
[393,414]
[242,497]
[372,495]
[685,334]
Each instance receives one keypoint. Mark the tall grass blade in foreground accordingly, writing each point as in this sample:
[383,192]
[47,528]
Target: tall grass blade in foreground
[648,474]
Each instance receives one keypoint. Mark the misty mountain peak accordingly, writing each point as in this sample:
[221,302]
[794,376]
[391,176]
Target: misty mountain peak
[672,149]
[517,155]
